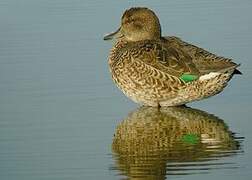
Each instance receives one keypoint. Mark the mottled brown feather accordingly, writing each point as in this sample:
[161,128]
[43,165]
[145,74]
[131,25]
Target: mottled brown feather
[147,67]
[205,61]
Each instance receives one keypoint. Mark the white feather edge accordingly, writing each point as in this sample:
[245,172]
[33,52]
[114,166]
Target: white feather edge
[209,76]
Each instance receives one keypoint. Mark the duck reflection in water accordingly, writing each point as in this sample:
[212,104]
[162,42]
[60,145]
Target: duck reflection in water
[152,143]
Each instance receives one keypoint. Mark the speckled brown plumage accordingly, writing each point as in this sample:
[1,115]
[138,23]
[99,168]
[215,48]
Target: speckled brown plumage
[147,67]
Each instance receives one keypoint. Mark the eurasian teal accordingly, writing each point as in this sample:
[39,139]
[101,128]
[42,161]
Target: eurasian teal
[163,71]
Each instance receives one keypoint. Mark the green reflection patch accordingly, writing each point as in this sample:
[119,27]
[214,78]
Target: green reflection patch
[190,138]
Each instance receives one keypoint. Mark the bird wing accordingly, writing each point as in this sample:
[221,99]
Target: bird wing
[166,59]
[205,61]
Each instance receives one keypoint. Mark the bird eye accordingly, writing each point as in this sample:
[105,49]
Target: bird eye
[129,20]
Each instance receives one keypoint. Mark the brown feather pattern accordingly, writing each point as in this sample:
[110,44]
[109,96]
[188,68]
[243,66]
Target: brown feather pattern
[148,70]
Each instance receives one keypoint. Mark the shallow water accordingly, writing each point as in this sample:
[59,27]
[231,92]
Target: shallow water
[63,118]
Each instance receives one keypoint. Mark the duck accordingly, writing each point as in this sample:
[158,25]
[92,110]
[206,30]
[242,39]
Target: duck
[155,70]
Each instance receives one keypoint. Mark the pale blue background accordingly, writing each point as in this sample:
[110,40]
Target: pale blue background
[58,106]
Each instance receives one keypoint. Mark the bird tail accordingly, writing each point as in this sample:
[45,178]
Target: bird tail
[232,70]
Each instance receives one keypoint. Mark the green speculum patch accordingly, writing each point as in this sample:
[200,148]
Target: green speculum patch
[188,77]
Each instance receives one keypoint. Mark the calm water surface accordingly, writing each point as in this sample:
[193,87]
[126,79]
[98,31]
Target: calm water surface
[61,116]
